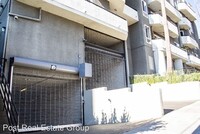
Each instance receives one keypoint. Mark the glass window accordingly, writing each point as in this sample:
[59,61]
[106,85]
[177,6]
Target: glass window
[147,34]
[144,7]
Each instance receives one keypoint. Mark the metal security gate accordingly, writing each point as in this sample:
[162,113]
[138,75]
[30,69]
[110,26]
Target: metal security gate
[46,97]
[108,68]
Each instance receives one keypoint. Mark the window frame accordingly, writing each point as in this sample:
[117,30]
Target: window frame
[144,8]
[148,36]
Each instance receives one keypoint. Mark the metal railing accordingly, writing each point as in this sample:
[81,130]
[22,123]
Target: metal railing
[9,106]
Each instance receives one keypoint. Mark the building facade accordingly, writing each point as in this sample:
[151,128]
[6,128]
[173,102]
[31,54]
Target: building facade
[44,45]
[148,50]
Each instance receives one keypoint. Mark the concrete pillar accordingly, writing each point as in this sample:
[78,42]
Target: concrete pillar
[178,64]
[171,2]
[167,38]
[160,62]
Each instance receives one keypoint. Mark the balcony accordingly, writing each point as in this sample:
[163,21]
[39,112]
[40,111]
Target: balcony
[120,8]
[185,24]
[187,11]
[194,61]
[173,30]
[117,5]
[155,5]
[85,13]
[179,53]
[158,44]
[187,41]
[172,13]
[130,15]
[156,21]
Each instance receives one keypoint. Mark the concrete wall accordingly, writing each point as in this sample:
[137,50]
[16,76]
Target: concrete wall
[143,102]
[53,39]
[122,105]
[3,27]
[180,92]
[3,23]
[141,51]
[3,116]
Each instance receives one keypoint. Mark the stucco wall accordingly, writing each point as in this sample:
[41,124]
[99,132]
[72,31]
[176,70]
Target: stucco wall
[122,105]
[180,92]
[54,39]
[141,51]
[3,25]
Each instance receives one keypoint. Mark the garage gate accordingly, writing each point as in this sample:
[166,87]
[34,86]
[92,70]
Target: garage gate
[108,68]
[46,97]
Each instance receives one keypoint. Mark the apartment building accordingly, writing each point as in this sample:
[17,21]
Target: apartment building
[147,40]
[53,50]
[45,46]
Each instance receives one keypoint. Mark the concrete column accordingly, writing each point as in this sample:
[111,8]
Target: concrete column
[172,2]
[167,38]
[160,62]
[178,64]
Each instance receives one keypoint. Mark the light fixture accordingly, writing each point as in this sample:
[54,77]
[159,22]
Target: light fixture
[53,67]
[16,17]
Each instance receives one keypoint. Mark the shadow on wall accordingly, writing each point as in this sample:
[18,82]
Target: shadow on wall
[125,117]
[149,127]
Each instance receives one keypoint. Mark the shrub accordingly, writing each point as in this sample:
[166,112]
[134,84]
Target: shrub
[170,78]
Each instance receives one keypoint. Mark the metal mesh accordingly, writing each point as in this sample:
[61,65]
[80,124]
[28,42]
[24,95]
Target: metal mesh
[107,70]
[46,100]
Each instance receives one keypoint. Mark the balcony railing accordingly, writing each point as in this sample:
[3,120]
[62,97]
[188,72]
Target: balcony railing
[155,5]
[173,30]
[179,53]
[186,9]
[187,41]
[103,8]
[158,44]
[155,19]
[172,12]
[185,24]
[193,61]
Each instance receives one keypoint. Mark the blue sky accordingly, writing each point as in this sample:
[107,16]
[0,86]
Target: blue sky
[196,6]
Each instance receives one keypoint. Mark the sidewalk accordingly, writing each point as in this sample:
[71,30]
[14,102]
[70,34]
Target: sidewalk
[182,121]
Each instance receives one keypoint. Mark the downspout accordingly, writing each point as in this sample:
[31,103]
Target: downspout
[5,38]
[127,63]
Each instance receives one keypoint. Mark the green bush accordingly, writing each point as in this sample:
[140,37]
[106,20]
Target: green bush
[170,78]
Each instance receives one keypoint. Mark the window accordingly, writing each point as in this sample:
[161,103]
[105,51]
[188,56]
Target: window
[182,33]
[147,33]
[144,8]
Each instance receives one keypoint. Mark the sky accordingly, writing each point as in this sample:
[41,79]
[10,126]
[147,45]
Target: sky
[196,6]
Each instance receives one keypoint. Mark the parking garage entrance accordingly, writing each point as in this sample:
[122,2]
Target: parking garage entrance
[46,98]
[107,56]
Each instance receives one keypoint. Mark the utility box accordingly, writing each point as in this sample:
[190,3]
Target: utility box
[85,70]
